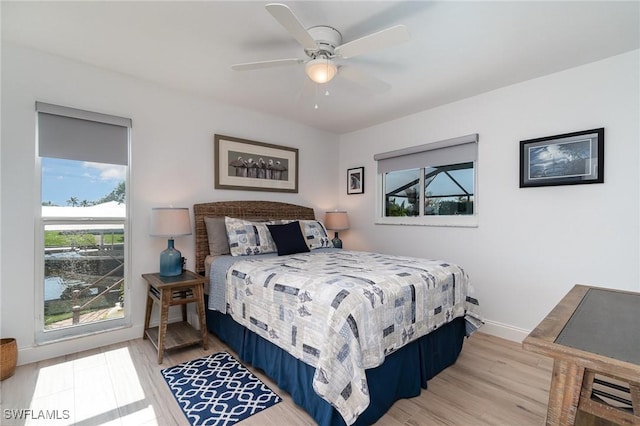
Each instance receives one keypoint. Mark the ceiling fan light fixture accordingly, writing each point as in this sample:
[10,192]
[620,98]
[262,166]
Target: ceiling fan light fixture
[321,70]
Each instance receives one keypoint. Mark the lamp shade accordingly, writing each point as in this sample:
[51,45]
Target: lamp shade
[321,70]
[170,222]
[336,221]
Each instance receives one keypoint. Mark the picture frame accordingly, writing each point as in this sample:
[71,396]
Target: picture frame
[248,165]
[355,180]
[566,159]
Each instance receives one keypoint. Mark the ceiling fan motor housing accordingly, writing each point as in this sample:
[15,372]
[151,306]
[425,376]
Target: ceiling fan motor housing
[327,39]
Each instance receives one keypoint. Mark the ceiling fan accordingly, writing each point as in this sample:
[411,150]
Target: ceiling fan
[323,46]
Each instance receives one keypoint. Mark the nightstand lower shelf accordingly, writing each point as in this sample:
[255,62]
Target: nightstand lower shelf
[179,334]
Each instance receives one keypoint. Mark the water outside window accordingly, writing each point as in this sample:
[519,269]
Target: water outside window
[84,274]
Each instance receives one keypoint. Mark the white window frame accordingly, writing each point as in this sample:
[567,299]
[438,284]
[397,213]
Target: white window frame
[468,221]
[43,336]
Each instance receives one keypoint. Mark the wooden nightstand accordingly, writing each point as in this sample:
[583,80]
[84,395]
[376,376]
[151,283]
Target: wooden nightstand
[169,291]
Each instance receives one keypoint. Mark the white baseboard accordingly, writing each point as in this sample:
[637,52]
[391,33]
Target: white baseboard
[35,353]
[504,331]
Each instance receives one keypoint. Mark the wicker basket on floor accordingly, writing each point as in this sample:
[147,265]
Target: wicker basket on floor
[8,357]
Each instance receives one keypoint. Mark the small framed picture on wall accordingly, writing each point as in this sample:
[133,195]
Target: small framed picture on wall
[355,180]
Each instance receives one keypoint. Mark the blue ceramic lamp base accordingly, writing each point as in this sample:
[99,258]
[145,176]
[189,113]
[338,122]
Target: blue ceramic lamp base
[170,261]
[337,242]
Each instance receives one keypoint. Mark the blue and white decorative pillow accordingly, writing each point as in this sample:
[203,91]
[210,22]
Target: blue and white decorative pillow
[315,234]
[248,238]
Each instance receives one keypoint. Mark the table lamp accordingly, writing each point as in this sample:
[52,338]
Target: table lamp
[170,222]
[336,221]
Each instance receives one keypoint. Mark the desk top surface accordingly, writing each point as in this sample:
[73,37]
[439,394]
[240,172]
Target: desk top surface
[606,323]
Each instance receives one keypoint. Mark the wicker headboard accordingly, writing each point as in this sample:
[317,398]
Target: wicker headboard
[240,209]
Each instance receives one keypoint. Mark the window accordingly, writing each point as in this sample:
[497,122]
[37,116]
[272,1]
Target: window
[401,195]
[431,184]
[83,164]
[448,190]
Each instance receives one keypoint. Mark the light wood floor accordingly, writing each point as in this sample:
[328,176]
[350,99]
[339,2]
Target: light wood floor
[494,382]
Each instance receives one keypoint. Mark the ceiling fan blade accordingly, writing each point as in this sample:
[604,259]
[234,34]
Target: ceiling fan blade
[363,79]
[266,64]
[291,23]
[376,41]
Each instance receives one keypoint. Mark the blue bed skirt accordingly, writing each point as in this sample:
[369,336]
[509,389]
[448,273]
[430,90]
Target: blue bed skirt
[395,379]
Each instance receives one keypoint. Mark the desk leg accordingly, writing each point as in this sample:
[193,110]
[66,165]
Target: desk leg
[147,315]
[201,316]
[165,300]
[564,395]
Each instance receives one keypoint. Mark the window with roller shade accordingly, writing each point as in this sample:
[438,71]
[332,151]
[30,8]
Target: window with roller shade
[430,184]
[83,161]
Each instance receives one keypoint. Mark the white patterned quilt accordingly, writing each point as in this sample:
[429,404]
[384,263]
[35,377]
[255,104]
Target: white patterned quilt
[342,312]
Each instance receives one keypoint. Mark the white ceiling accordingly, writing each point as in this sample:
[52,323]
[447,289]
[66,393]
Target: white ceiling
[457,49]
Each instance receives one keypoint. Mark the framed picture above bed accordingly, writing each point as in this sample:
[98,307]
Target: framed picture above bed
[355,180]
[254,166]
[567,159]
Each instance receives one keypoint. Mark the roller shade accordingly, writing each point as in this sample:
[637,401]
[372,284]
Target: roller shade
[75,134]
[462,149]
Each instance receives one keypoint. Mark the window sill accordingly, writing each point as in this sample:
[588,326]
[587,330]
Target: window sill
[440,221]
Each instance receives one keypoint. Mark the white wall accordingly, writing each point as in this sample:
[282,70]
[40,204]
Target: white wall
[532,245]
[171,163]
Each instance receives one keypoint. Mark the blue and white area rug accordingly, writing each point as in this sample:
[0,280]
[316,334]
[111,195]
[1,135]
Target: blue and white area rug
[217,390]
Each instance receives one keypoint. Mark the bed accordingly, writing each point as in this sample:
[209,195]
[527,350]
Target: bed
[361,372]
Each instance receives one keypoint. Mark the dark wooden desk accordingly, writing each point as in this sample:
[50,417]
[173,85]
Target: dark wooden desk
[593,335]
